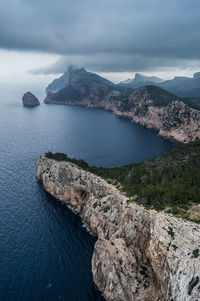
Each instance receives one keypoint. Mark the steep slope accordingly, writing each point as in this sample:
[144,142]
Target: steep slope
[156,108]
[57,84]
[140,254]
[149,106]
[86,87]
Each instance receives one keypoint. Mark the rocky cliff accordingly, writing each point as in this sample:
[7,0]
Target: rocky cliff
[140,254]
[149,106]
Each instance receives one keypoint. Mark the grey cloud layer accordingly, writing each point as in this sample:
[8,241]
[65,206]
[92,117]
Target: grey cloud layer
[106,35]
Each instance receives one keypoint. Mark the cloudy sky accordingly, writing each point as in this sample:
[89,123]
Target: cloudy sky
[40,38]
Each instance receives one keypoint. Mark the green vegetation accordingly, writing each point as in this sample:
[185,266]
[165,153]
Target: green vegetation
[171,182]
[192,284]
[195,253]
[193,102]
[161,97]
[63,157]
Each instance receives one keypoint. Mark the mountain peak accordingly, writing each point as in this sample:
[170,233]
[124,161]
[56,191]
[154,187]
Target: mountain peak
[74,68]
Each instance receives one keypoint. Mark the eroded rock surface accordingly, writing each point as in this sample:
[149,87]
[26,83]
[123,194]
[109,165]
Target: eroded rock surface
[140,254]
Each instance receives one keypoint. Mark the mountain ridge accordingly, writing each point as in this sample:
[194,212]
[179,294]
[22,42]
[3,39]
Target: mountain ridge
[180,85]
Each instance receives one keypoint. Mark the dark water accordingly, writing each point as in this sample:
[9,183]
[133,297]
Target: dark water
[45,252]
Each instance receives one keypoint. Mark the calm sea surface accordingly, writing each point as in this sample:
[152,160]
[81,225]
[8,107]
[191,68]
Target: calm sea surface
[45,252]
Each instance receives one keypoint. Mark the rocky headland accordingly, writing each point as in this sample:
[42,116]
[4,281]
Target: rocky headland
[30,100]
[149,106]
[140,254]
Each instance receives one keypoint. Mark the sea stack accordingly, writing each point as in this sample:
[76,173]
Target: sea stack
[30,100]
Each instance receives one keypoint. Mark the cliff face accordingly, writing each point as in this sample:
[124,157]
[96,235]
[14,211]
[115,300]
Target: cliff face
[149,106]
[140,254]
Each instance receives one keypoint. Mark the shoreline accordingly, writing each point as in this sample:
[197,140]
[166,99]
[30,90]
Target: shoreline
[117,115]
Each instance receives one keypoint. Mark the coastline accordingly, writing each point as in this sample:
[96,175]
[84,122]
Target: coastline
[131,239]
[177,135]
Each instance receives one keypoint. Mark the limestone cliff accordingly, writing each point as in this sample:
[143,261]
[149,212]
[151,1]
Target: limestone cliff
[140,254]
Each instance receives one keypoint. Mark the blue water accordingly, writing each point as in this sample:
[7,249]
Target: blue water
[45,252]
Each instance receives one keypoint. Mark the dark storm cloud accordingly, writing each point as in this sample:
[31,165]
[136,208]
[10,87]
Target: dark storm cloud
[106,35]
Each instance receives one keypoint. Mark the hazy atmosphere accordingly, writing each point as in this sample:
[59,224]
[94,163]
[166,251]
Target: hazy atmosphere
[115,38]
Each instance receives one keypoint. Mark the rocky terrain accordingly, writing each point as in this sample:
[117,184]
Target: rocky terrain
[149,106]
[30,100]
[158,109]
[140,254]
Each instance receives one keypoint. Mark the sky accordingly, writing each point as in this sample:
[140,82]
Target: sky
[40,38]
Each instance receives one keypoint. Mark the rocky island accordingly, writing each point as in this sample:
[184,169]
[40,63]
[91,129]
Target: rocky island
[149,106]
[141,253]
[30,100]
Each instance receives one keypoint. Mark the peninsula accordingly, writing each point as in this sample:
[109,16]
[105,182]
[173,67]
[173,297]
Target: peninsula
[141,253]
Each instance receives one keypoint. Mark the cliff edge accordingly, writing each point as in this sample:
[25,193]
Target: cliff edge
[140,254]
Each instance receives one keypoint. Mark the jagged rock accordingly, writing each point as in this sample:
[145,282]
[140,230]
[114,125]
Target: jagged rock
[30,100]
[140,254]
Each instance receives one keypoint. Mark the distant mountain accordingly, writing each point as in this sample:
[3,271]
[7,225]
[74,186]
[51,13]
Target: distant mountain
[183,86]
[149,106]
[180,85]
[140,81]
[82,85]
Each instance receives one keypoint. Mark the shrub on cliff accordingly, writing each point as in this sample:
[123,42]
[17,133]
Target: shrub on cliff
[171,181]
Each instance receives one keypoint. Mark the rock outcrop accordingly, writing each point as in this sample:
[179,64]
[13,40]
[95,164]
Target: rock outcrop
[149,106]
[140,254]
[30,100]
